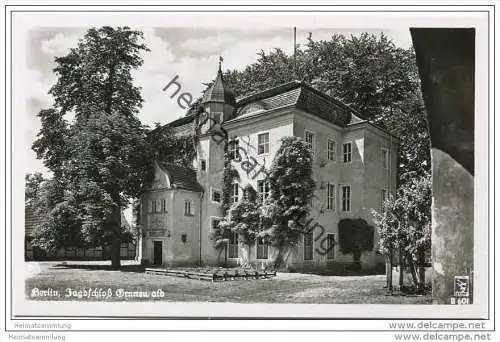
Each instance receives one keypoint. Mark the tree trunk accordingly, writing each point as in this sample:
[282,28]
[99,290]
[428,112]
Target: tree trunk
[220,251]
[249,264]
[278,261]
[357,259]
[413,270]
[116,242]
[388,271]
[421,271]
[281,258]
[115,253]
[401,268]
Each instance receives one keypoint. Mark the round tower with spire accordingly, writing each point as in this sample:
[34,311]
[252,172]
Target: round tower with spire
[219,104]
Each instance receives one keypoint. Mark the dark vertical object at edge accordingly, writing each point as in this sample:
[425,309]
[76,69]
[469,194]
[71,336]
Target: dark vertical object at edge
[295,52]
[445,59]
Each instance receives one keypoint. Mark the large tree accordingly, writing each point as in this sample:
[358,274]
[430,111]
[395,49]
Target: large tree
[285,211]
[102,158]
[404,226]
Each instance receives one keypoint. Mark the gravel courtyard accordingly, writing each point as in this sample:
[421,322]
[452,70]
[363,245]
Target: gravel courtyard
[95,281]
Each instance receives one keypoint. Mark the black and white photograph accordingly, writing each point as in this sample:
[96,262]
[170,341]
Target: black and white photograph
[252,165]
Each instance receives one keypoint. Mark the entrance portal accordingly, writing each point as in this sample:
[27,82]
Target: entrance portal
[157,253]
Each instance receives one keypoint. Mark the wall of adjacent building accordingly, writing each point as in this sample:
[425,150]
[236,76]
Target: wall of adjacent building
[169,225]
[182,224]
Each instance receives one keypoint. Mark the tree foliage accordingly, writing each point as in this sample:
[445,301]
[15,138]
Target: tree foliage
[291,190]
[102,158]
[169,147]
[405,223]
[244,217]
[58,221]
[355,236]
[33,183]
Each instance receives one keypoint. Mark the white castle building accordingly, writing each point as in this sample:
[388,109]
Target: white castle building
[355,168]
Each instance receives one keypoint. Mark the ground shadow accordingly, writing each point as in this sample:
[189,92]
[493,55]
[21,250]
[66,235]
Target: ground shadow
[90,267]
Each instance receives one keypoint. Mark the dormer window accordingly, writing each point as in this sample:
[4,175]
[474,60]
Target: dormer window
[252,108]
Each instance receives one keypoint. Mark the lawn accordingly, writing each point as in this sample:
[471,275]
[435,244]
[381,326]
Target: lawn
[284,288]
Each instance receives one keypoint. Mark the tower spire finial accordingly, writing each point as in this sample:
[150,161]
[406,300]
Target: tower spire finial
[220,62]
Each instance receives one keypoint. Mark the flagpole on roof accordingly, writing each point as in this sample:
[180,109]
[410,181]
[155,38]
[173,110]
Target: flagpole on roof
[295,51]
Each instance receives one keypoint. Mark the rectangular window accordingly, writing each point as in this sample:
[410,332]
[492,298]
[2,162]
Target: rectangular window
[163,205]
[203,165]
[232,246]
[383,198]
[331,147]
[233,149]
[262,249]
[330,204]
[308,246]
[263,189]
[215,223]
[187,208]
[311,140]
[216,196]
[234,193]
[347,152]
[263,143]
[330,245]
[151,206]
[346,198]
[385,158]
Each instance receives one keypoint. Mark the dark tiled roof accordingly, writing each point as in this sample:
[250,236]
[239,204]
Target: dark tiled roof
[182,177]
[294,94]
[182,121]
[267,93]
[218,92]
[301,96]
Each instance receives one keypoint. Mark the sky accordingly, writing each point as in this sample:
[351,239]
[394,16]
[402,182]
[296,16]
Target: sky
[190,53]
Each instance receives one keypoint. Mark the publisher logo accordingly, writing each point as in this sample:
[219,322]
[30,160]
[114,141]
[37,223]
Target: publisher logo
[461,286]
